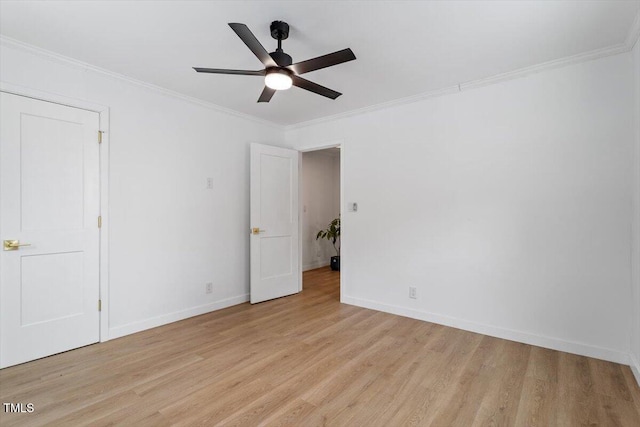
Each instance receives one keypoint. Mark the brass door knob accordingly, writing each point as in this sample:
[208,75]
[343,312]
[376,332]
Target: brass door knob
[13,245]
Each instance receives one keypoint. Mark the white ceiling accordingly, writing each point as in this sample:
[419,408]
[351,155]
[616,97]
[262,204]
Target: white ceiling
[403,48]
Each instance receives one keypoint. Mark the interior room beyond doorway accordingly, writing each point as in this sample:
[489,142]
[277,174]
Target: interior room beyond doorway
[320,180]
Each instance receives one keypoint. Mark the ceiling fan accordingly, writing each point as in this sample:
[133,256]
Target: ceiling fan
[280,72]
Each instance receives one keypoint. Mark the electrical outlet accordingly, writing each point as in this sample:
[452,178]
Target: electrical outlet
[209,183]
[413,293]
[209,288]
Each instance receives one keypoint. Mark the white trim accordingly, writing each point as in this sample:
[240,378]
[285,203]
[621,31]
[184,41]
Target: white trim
[343,281]
[7,41]
[629,43]
[634,361]
[103,112]
[132,328]
[315,147]
[635,367]
[634,33]
[301,268]
[106,217]
[383,106]
[550,65]
[51,97]
[495,331]
[322,146]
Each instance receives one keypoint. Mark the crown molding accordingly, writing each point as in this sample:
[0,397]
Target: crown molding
[65,60]
[382,106]
[550,65]
[634,33]
[498,78]
[628,45]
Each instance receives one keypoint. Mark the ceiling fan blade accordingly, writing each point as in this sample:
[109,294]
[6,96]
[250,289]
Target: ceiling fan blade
[223,71]
[324,61]
[252,43]
[266,94]
[314,87]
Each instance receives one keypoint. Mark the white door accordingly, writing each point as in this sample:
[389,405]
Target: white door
[274,223]
[49,199]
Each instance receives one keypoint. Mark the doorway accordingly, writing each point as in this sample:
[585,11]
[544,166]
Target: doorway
[320,205]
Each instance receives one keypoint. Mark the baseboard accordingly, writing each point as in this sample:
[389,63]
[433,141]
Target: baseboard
[131,328]
[634,363]
[504,333]
[314,265]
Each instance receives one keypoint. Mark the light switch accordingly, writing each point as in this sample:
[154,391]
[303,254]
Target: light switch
[352,207]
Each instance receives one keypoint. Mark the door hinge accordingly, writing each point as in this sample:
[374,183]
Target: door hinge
[100,222]
[100,137]
[99,305]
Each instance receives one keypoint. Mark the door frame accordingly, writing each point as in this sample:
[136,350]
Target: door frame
[317,147]
[103,113]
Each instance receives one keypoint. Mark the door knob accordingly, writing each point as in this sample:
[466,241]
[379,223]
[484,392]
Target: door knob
[256,230]
[14,245]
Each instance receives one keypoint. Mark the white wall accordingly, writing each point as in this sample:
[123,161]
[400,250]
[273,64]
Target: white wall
[635,329]
[169,235]
[507,206]
[321,204]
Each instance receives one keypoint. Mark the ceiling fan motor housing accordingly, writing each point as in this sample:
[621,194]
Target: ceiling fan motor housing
[279,30]
[281,58]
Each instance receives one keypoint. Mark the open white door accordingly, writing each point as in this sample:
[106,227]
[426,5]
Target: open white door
[274,223]
[49,208]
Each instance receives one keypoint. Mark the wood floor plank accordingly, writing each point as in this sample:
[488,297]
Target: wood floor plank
[576,391]
[465,397]
[500,401]
[543,364]
[307,360]
[634,387]
[537,406]
[292,415]
[609,379]
[618,412]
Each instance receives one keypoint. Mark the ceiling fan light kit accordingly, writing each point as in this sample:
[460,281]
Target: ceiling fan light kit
[280,73]
[278,79]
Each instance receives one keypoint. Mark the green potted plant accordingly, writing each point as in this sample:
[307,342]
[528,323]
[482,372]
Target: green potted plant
[332,234]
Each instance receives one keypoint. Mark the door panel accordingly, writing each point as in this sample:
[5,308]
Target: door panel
[54,278]
[275,189]
[49,198]
[274,210]
[275,256]
[51,174]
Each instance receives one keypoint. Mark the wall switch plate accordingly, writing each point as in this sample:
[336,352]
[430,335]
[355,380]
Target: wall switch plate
[352,207]
[413,293]
[209,288]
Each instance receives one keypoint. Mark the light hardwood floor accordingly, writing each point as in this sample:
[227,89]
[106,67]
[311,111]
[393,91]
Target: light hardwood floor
[307,360]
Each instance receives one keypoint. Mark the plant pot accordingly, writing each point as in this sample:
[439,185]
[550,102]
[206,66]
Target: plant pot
[335,263]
